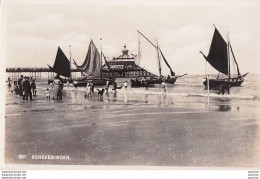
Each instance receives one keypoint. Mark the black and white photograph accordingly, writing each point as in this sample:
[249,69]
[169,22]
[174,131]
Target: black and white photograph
[131,83]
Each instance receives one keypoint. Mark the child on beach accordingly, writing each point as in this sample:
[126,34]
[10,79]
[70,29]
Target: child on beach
[15,88]
[88,90]
[48,94]
[164,87]
[107,86]
[125,84]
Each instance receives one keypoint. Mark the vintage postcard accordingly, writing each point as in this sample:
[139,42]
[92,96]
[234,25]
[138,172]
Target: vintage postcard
[130,84]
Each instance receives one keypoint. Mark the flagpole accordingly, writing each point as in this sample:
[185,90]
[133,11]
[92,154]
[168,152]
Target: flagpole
[208,89]
[101,57]
[207,82]
[70,61]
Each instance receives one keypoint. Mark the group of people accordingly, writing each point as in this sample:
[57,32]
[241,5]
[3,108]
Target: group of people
[25,87]
[224,87]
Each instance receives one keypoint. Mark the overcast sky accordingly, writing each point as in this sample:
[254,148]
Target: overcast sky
[182,28]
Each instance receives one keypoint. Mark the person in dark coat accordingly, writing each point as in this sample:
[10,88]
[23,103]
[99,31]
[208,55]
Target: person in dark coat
[27,89]
[9,82]
[115,86]
[33,86]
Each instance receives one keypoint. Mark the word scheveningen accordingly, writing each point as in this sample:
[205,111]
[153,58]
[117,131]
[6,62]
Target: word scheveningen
[51,157]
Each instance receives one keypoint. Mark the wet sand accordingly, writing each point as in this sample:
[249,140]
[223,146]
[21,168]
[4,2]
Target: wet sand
[131,129]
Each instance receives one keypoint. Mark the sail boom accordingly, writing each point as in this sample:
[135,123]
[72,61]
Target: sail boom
[147,39]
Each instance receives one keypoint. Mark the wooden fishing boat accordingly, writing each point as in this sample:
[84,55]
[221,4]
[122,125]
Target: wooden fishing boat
[219,57]
[61,67]
[91,69]
[145,82]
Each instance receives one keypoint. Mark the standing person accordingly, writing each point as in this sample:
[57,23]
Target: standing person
[57,87]
[20,85]
[115,86]
[164,87]
[68,84]
[61,87]
[88,90]
[125,84]
[9,82]
[75,84]
[33,86]
[24,78]
[48,94]
[107,85]
[15,88]
[92,87]
[27,89]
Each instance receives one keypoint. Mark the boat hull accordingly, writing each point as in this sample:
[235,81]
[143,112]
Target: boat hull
[63,81]
[225,81]
[95,81]
[149,82]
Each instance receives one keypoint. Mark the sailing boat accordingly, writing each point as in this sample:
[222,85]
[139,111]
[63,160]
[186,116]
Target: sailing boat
[171,79]
[61,66]
[91,69]
[219,58]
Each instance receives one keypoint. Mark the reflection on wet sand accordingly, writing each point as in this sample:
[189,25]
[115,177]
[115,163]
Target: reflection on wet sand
[224,108]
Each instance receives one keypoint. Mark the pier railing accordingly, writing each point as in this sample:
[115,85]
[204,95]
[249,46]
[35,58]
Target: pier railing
[14,73]
[33,70]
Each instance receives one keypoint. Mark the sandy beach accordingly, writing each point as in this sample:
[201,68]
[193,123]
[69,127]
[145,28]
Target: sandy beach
[133,129]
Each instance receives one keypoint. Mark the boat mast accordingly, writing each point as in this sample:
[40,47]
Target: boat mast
[70,61]
[101,57]
[159,60]
[207,78]
[139,50]
[228,55]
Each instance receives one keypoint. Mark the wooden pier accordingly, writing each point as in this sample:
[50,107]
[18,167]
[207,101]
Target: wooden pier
[33,72]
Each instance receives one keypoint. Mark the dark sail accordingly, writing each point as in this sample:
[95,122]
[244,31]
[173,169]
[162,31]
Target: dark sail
[172,73]
[61,65]
[217,56]
[92,64]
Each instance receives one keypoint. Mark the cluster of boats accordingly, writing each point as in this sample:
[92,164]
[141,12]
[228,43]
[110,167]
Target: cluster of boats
[92,69]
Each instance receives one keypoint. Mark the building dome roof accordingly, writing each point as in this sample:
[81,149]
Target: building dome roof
[125,51]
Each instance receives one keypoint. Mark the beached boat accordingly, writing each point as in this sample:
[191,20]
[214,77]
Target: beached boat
[61,67]
[145,82]
[219,58]
[91,69]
